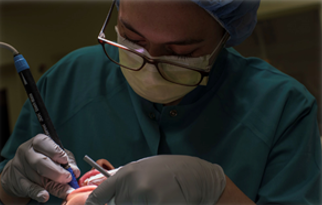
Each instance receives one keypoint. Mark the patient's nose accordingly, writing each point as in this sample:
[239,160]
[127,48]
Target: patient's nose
[105,164]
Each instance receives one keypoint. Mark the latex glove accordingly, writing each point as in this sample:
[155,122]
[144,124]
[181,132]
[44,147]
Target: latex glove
[164,179]
[35,170]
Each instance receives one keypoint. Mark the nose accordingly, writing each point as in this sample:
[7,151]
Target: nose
[157,50]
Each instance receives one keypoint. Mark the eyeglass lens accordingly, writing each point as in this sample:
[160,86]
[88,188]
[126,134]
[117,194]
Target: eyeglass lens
[168,71]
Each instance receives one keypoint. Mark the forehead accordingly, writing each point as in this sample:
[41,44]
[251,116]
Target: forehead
[167,18]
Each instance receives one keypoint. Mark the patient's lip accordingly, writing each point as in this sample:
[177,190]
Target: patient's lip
[79,196]
[88,182]
[84,189]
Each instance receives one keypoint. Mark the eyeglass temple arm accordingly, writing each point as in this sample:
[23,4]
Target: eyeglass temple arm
[101,34]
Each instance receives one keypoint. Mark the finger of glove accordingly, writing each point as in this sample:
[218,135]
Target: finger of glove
[34,191]
[72,163]
[45,145]
[45,167]
[17,184]
[57,189]
[103,193]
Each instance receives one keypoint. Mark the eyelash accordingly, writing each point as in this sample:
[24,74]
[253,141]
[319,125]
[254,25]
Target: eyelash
[181,57]
[131,41]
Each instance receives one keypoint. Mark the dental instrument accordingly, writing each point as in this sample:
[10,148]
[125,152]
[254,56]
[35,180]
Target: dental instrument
[35,98]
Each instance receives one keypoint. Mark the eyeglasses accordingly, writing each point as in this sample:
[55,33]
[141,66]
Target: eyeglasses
[171,71]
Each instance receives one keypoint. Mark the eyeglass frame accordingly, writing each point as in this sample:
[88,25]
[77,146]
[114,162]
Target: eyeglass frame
[155,62]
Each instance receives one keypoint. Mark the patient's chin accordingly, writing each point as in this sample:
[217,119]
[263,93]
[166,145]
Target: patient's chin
[79,196]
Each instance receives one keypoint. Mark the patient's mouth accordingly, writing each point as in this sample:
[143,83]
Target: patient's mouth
[93,177]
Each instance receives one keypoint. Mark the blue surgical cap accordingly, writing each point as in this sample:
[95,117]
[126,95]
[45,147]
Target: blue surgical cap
[237,17]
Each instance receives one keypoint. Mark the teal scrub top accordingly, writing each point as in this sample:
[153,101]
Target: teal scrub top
[256,122]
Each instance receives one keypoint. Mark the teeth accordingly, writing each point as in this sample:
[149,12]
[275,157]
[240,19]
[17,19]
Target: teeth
[99,178]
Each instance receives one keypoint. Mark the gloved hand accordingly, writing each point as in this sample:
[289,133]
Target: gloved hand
[35,170]
[164,179]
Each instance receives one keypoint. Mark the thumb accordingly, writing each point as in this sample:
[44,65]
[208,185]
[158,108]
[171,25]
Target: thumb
[103,193]
[72,163]
[75,169]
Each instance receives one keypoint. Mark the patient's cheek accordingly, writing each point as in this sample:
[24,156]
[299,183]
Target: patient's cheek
[79,196]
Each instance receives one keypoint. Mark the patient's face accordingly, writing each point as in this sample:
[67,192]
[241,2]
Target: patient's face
[88,182]
[79,196]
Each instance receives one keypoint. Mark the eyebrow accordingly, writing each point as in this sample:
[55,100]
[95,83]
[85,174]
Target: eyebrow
[180,42]
[128,26]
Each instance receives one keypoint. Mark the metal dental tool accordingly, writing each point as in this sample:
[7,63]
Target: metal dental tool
[96,166]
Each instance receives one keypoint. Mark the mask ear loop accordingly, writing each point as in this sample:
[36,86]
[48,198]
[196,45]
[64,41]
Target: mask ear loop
[221,44]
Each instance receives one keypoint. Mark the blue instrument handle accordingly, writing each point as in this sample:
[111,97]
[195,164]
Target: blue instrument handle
[73,183]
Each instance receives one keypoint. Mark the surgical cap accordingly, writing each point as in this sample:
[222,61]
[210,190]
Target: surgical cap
[237,17]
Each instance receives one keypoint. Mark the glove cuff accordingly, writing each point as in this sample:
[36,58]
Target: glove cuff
[219,181]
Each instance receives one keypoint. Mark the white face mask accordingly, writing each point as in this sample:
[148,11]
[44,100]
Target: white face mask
[149,84]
